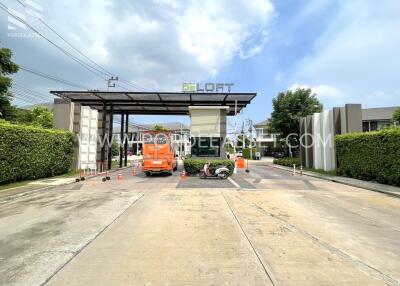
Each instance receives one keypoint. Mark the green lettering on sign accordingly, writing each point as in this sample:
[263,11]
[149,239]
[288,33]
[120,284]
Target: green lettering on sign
[189,87]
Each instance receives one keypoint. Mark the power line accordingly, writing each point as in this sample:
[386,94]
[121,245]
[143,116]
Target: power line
[30,97]
[33,93]
[85,65]
[103,70]
[50,77]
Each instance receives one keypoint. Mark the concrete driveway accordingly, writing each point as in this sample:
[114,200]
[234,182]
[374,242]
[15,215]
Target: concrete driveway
[262,228]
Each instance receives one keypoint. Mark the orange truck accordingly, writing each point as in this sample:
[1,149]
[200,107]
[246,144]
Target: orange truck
[158,154]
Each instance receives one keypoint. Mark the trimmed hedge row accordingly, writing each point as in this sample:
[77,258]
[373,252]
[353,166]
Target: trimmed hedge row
[246,153]
[28,152]
[370,155]
[194,166]
[288,162]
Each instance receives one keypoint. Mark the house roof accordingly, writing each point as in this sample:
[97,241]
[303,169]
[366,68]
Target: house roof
[380,113]
[263,123]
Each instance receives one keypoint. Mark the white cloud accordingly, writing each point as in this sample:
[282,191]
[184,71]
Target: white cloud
[214,33]
[322,91]
[357,52]
[164,42]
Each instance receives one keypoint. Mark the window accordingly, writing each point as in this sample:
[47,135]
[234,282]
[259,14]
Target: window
[365,126]
[206,146]
[373,125]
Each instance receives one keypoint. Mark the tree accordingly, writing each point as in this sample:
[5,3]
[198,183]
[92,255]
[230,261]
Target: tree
[7,67]
[396,116]
[239,140]
[42,117]
[159,128]
[289,107]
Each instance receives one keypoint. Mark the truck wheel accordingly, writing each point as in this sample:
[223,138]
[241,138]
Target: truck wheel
[147,174]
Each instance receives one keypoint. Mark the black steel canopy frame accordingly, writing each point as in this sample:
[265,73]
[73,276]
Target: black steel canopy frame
[149,103]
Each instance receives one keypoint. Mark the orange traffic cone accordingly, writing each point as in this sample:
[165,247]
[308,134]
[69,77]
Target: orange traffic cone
[183,175]
[133,171]
[119,176]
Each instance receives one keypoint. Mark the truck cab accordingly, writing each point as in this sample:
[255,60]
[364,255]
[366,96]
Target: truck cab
[158,155]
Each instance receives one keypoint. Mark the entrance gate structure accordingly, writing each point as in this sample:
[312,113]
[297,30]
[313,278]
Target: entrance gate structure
[208,113]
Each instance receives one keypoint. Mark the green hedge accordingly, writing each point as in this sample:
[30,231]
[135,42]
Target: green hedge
[194,166]
[246,153]
[30,152]
[288,162]
[370,155]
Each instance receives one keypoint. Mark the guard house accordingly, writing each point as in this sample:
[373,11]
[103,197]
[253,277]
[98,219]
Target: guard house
[89,115]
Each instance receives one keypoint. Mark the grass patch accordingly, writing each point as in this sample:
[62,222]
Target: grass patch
[71,174]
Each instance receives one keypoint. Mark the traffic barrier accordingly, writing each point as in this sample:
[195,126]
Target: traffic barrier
[106,174]
[81,175]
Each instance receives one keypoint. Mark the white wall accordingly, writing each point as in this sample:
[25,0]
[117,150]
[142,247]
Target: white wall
[88,138]
[328,140]
[317,128]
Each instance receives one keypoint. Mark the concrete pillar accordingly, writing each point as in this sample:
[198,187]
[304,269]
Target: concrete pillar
[309,141]
[302,141]
[337,126]
[327,140]
[317,154]
[63,114]
[353,118]
[209,121]
[343,120]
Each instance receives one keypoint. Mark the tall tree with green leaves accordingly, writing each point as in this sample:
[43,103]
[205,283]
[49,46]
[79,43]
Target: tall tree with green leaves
[289,107]
[159,128]
[396,116]
[7,68]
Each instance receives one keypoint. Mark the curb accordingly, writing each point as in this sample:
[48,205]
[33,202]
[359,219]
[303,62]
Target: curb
[12,198]
[311,174]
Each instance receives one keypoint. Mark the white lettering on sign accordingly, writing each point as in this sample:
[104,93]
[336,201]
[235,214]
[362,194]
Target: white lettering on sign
[207,87]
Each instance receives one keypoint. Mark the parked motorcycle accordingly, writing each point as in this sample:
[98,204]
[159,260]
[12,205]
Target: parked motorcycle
[221,172]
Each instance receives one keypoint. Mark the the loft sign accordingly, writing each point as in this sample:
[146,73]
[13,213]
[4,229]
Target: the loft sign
[207,87]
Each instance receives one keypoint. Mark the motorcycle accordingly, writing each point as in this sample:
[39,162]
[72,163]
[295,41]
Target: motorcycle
[221,172]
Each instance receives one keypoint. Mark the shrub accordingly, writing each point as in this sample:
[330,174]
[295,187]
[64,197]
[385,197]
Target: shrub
[194,166]
[28,152]
[246,153]
[288,162]
[370,155]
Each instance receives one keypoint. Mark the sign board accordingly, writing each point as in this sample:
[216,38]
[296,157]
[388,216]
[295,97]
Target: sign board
[207,87]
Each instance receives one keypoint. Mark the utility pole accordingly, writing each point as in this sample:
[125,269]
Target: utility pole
[109,82]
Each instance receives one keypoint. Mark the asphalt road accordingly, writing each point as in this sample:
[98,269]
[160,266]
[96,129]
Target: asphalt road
[265,227]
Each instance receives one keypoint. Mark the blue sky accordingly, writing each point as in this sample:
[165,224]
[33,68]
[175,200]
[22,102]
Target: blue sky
[346,51]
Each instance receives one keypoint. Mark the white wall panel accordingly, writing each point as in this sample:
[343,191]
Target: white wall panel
[318,157]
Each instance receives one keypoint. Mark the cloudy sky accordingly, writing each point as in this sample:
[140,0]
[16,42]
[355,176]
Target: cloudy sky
[346,51]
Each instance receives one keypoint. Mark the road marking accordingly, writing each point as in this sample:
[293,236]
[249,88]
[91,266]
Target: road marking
[234,183]
[264,265]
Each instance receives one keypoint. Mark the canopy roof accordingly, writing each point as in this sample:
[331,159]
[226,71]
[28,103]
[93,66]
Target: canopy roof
[163,103]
